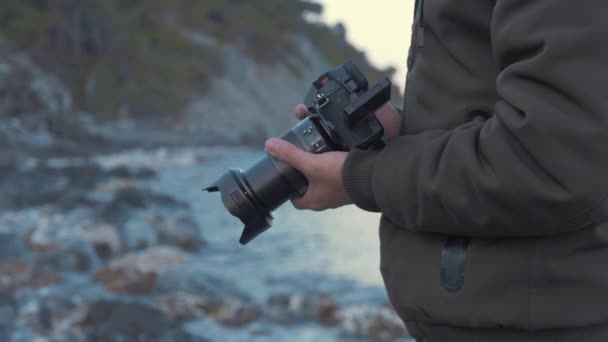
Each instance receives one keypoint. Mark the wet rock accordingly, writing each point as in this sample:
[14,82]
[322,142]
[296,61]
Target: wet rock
[75,256]
[15,275]
[194,278]
[43,236]
[137,272]
[118,321]
[142,198]
[128,281]
[8,312]
[55,316]
[131,197]
[156,259]
[84,176]
[183,232]
[53,229]
[11,246]
[182,306]
[8,308]
[128,173]
[137,233]
[105,240]
[8,157]
[379,323]
[115,185]
[290,309]
[64,187]
[127,199]
[233,312]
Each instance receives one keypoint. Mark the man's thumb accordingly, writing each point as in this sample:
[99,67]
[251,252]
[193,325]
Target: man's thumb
[288,153]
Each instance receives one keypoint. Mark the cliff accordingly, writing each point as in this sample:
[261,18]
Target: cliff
[157,72]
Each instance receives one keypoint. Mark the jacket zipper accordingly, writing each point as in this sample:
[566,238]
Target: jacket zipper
[416,43]
[419,23]
[418,27]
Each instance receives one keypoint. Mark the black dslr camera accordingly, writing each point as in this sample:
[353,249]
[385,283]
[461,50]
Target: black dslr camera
[342,117]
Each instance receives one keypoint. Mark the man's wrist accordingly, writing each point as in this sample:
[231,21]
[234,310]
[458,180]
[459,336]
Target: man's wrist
[357,176]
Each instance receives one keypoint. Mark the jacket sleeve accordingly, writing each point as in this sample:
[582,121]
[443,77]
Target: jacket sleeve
[538,166]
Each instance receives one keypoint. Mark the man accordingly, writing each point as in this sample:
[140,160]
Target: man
[495,224]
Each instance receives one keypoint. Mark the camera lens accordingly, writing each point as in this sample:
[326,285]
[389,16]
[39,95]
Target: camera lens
[253,194]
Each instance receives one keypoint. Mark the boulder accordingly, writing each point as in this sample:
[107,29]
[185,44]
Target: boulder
[137,272]
[137,233]
[378,323]
[182,306]
[105,240]
[16,275]
[233,312]
[131,321]
[72,256]
[182,232]
[295,308]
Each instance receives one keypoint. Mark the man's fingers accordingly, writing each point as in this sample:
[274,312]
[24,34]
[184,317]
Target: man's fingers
[289,154]
[301,111]
[304,203]
[298,203]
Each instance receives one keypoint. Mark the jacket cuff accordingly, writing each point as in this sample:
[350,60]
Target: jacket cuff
[357,176]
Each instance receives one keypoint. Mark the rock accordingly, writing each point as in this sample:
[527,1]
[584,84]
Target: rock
[43,237]
[8,157]
[129,281]
[57,315]
[127,173]
[16,275]
[233,312]
[191,291]
[194,278]
[182,306]
[131,197]
[289,309]
[116,184]
[75,256]
[142,198]
[183,232]
[126,199]
[379,323]
[11,246]
[8,313]
[54,230]
[105,240]
[8,308]
[118,321]
[137,272]
[63,187]
[137,233]
[156,259]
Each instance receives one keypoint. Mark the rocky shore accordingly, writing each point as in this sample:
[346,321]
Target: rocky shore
[90,252]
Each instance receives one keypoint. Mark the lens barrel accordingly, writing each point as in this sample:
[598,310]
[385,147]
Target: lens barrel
[253,194]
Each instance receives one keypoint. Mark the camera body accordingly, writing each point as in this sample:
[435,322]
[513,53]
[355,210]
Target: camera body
[343,107]
[342,117]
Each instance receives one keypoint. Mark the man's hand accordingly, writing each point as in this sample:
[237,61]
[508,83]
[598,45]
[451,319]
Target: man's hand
[323,171]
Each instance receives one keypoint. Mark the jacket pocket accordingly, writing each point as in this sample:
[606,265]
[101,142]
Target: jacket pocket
[453,258]
[494,293]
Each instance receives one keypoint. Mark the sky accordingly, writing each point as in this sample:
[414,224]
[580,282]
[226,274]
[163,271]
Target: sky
[381,28]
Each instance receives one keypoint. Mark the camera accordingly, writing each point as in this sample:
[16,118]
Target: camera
[341,117]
